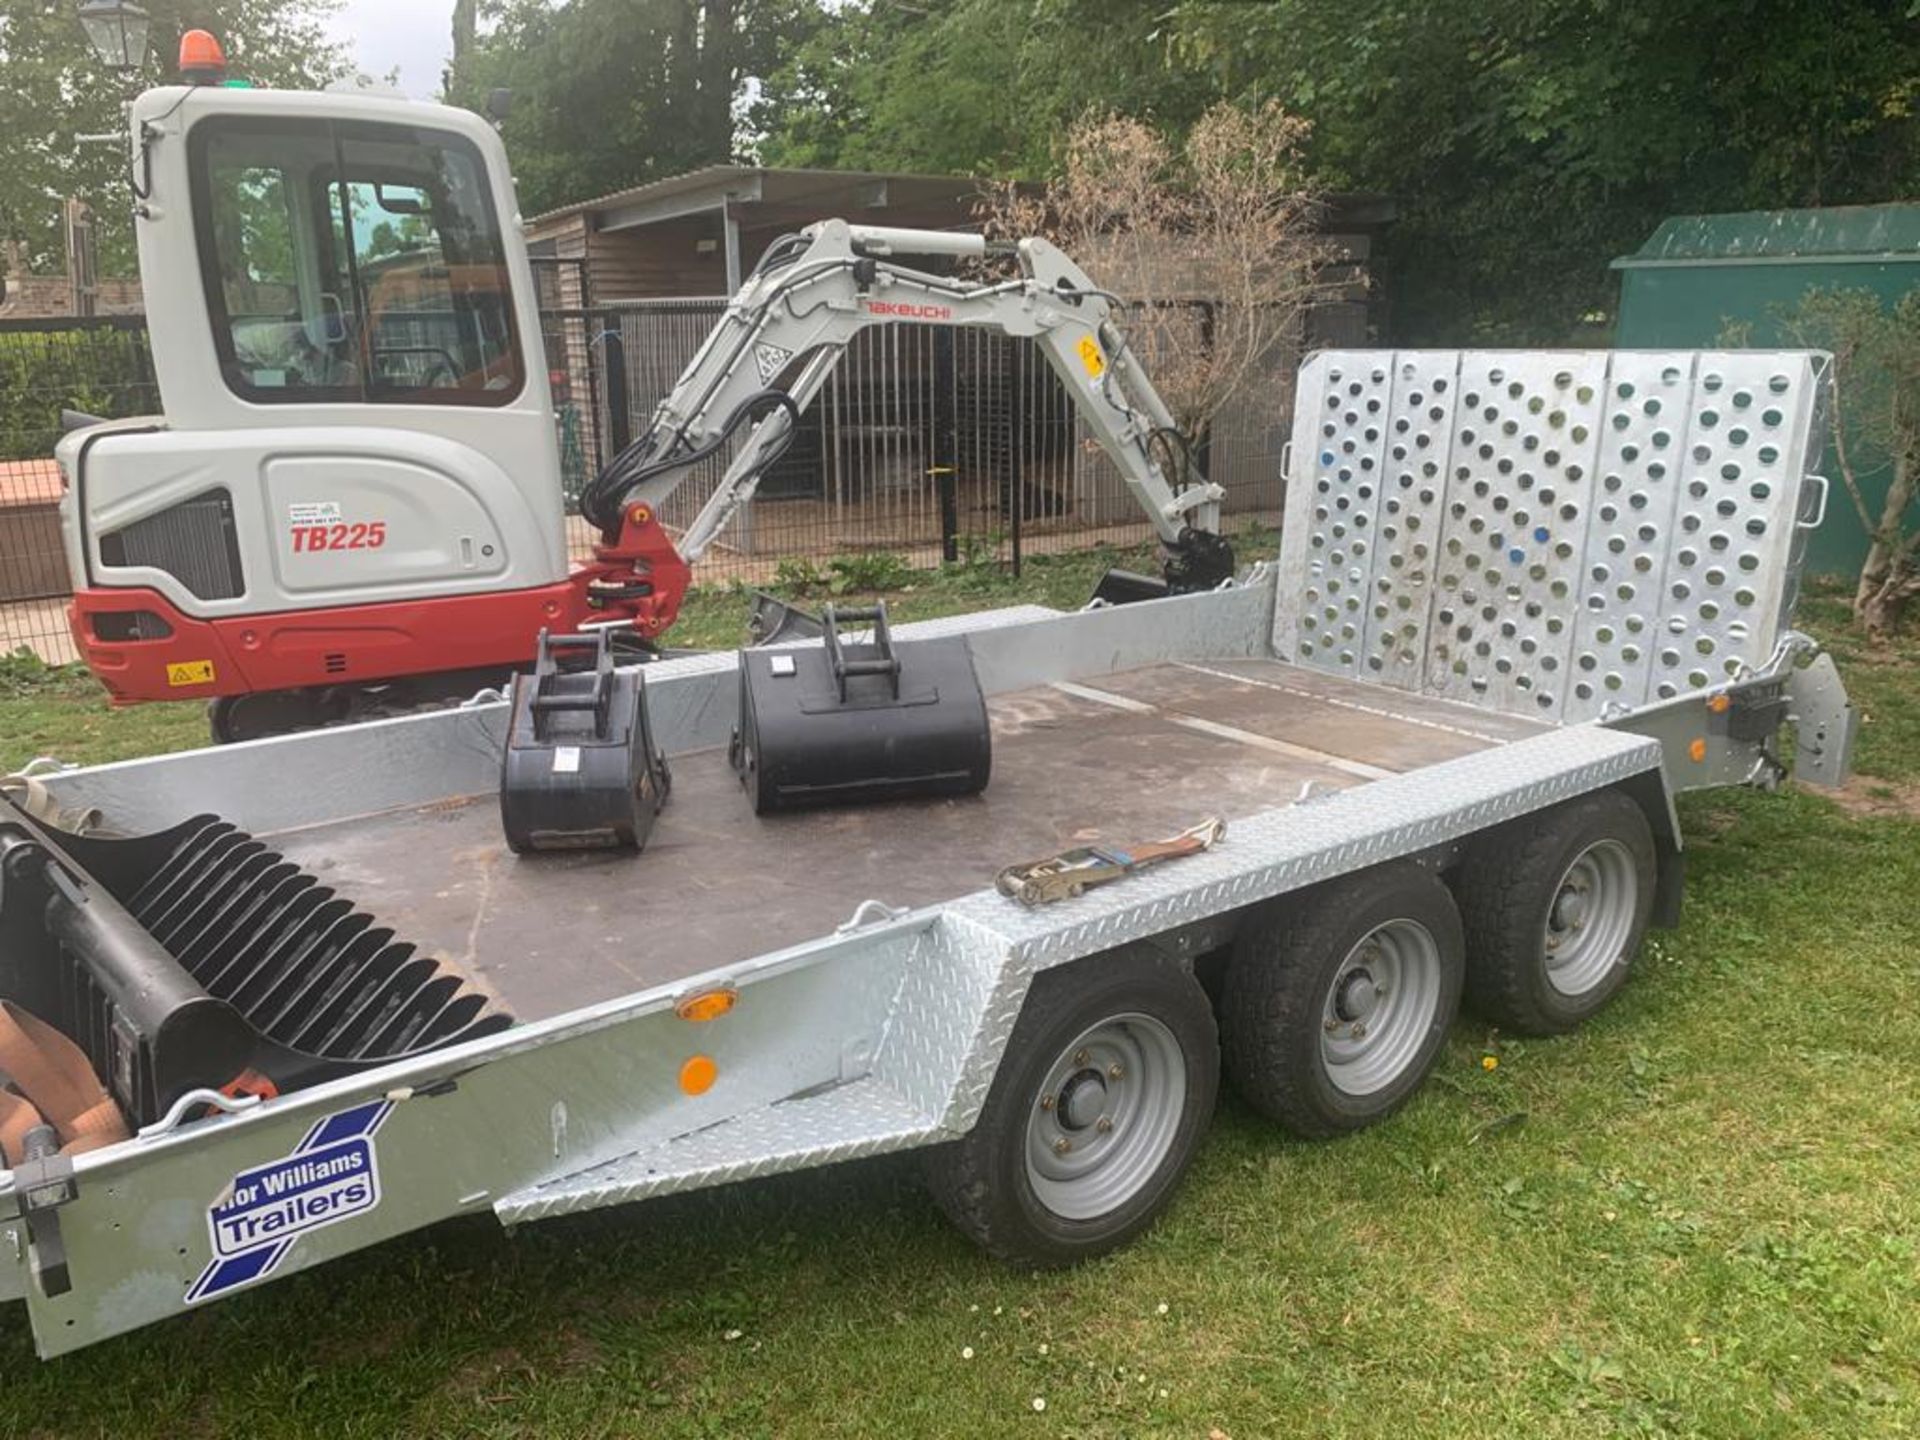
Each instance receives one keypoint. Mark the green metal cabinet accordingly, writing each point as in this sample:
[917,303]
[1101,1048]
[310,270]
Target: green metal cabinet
[1697,275]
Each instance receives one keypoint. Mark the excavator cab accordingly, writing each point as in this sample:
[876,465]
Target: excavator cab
[354,478]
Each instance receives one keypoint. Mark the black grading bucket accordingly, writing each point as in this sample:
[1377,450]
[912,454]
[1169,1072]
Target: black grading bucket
[201,958]
[580,771]
[848,723]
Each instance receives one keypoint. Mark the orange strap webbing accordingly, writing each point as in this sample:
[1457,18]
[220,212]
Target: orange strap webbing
[55,1086]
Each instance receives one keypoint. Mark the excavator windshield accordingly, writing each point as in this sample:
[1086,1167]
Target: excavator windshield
[353,262]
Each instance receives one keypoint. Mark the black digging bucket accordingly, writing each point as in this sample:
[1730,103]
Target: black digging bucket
[853,722]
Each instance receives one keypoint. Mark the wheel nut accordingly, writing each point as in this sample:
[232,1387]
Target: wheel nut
[1062,1145]
[1359,1030]
[1115,1071]
[1046,1102]
[1080,1057]
[1103,1124]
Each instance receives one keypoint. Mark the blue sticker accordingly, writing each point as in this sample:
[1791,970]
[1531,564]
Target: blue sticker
[333,1174]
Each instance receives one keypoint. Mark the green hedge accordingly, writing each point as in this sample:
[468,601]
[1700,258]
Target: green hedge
[102,369]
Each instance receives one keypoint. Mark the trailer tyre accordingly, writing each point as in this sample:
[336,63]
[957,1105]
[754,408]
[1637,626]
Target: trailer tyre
[1105,1091]
[1336,1003]
[1556,905]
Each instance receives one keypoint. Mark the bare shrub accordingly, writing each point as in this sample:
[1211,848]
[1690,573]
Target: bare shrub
[1213,243]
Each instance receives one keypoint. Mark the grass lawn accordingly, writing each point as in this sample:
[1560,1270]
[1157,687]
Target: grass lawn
[1698,1216]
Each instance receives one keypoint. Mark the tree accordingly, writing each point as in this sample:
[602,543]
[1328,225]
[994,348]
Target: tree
[1213,240]
[1527,142]
[966,86]
[609,93]
[1530,141]
[1875,413]
[53,89]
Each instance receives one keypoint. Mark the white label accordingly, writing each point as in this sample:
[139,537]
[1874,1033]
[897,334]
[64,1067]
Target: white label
[780,664]
[314,512]
[566,759]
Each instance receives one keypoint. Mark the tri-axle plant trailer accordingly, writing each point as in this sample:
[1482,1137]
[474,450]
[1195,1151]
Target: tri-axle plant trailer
[1522,600]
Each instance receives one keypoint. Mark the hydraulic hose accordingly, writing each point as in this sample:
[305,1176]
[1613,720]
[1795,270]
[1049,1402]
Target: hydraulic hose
[600,503]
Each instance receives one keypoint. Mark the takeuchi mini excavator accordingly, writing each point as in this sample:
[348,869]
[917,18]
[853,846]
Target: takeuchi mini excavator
[352,498]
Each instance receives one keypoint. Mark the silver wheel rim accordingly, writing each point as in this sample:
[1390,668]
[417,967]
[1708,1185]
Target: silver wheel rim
[1590,918]
[1106,1116]
[1380,1008]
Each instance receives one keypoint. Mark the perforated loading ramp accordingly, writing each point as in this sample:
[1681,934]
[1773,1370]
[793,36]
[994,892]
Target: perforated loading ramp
[1555,534]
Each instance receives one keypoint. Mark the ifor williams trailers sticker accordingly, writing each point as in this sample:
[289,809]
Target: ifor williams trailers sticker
[332,1175]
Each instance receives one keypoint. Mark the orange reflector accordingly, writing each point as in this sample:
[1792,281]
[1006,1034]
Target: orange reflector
[202,61]
[1720,704]
[1697,751]
[707,1005]
[698,1074]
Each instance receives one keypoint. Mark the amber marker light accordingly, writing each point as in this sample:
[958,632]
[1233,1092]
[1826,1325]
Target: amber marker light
[698,1073]
[706,1005]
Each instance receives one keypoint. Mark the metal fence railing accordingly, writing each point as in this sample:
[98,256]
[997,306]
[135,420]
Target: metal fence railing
[934,443]
[930,443]
[99,365]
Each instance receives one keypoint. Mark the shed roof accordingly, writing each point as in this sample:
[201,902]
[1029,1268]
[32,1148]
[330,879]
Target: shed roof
[820,190]
[1836,233]
[826,192]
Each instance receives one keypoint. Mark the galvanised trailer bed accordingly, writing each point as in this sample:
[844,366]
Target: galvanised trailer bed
[1446,727]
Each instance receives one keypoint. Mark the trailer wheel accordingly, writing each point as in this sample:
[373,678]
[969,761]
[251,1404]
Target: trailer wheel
[1336,1006]
[1556,904]
[1104,1093]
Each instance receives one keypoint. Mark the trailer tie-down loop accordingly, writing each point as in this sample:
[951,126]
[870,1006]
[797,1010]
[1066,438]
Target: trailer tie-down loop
[870,912]
[190,1107]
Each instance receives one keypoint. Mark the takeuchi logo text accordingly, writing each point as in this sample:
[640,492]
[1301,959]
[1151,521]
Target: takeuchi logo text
[902,310]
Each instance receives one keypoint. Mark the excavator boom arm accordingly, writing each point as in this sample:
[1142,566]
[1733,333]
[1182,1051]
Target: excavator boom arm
[794,318]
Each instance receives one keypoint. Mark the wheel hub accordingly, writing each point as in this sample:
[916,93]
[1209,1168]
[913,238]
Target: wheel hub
[1570,908]
[1083,1100]
[1358,995]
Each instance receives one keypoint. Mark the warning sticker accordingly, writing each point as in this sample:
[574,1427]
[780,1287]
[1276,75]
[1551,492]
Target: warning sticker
[1091,357]
[190,672]
[313,512]
[770,360]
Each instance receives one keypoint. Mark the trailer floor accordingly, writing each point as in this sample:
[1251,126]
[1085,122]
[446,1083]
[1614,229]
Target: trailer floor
[1130,757]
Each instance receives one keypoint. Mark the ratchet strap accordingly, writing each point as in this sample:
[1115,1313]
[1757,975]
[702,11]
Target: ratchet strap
[51,1084]
[1063,876]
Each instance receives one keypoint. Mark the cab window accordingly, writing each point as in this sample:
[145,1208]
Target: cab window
[353,262]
